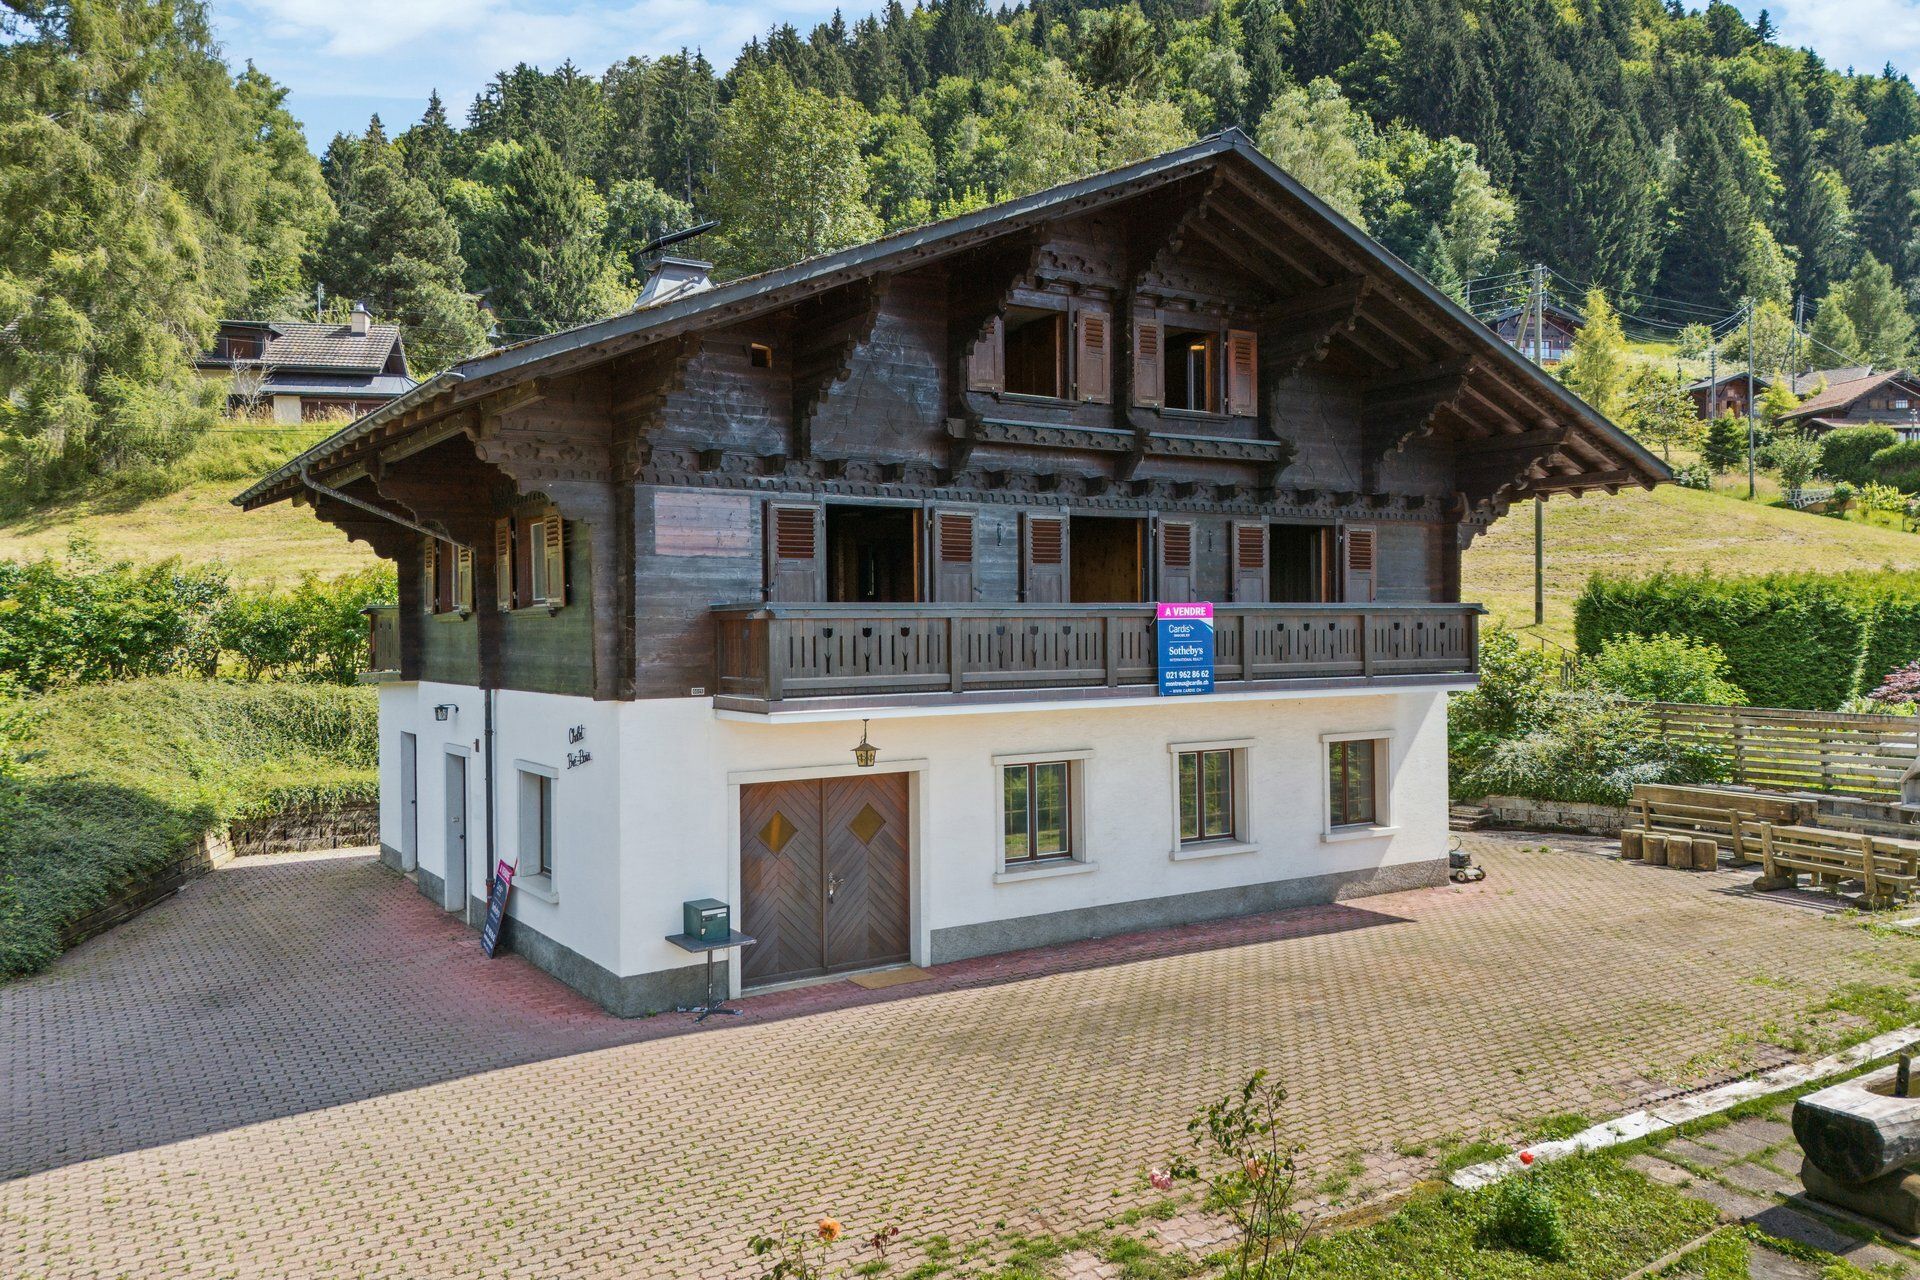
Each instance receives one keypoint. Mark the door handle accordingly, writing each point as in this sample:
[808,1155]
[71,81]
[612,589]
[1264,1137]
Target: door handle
[833,886]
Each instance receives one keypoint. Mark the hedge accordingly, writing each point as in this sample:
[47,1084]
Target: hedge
[1802,640]
[117,781]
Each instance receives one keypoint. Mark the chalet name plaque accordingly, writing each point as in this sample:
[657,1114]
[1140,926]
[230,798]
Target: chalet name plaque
[702,524]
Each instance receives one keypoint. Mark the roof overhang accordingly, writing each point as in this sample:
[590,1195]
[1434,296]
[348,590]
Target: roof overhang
[571,350]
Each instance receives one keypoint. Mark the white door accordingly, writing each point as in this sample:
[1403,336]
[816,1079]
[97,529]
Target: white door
[455,898]
[409,802]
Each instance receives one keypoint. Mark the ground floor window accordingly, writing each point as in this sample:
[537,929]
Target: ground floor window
[1206,795]
[536,824]
[1357,767]
[1036,803]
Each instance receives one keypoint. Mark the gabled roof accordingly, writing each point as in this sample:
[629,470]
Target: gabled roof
[333,348]
[585,345]
[1723,379]
[1552,308]
[1840,395]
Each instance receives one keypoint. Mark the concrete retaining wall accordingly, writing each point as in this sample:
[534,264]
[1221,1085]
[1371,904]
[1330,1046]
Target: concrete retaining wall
[1528,814]
[342,828]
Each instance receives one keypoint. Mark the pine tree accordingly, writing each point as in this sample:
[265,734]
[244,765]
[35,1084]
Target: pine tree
[684,123]
[538,244]
[1709,233]
[1882,324]
[1814,217]
[292,208]
[961,41]
[1596,368]
[428,148]
[1889,220]
[1586,197]
[1265,32]
[395,248]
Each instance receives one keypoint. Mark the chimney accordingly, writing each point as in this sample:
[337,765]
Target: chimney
[361,320]
[674,278]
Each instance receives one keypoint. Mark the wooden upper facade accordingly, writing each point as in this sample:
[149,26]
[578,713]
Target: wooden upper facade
[958,461]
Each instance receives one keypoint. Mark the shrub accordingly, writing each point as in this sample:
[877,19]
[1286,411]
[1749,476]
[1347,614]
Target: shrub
[1590,746]
[1796,458]
[1693,475]
[1251,1174]
[1803,640]
[1899,466]
[1875,496]
[1726,444]
[1525,1218]
[1901,686]
[1664,668]
[1846,453]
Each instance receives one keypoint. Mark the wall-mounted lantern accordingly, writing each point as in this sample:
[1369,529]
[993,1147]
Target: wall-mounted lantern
[443,710]
[866,753]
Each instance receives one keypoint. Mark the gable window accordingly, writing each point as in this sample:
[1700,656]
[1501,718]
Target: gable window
[1356,772]
[449,578]
[1191,361]
[759,355]
[530,562]
[1036,352]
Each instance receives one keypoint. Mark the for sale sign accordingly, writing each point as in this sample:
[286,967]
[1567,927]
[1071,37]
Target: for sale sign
[1186,648]
[496,907]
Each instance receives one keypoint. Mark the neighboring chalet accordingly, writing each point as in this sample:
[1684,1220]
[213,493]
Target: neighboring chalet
[297,371]
[1558,328]
[661,574]
[1891,398]
[1727,393]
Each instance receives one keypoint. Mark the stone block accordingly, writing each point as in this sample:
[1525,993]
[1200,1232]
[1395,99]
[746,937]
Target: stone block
[1892,1198]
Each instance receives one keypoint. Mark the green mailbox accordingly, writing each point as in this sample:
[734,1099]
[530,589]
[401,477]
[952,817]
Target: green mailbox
[706,920]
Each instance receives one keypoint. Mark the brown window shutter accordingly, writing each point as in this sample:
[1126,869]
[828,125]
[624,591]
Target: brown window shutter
[953,556]
[1149,367]
[431,570]
[1176,561]
[1243,367]
[1044,559]
[503,564]
[1361,555]
[795,568]
[1250,580]
[463,579]
[987,362]
[1093,365]
[555,551]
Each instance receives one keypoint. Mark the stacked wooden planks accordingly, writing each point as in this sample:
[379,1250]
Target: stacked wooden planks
[1863,755]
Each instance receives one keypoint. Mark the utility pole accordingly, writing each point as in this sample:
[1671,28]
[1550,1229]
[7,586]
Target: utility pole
[1750,426]
[1539,504]
[1793,345]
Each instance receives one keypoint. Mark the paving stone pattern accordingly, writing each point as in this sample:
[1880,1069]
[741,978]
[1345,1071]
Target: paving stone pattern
[301,1068]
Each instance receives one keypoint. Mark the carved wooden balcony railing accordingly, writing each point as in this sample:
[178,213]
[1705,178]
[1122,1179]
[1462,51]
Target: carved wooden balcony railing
[779,654]
[383,643]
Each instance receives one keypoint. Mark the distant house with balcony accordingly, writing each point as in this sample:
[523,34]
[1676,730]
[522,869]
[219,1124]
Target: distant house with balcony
[297,371]
[834,593]
[1557,326]
[1725,393]
[1890,398]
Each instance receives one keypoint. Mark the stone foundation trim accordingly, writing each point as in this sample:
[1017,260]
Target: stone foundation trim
[963,942]
[637,995]
[1525,813]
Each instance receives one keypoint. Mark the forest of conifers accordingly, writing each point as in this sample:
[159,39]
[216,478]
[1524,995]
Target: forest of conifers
[1679,159]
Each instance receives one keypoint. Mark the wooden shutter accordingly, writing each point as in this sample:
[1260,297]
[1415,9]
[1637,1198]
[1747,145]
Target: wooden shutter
[953,556]
[1043,558]
[1249,572]
[1361,553]
[1149,363]
[554,550]
[431,567]
[987,362]
[1176,561]
[503,564]
[1093,359]
[463,579]
[1243,368]
[796,569]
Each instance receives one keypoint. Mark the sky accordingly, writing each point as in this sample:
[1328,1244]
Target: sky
[347,59]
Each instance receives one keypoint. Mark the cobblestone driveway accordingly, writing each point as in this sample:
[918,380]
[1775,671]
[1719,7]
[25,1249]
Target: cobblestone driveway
[300,1068]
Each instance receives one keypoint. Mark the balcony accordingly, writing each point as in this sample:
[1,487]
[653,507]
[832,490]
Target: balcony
[383,643]
[801,657]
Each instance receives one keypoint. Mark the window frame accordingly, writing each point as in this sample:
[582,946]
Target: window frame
[1239,837]
[448,597]
[538,784]
[1381,823]
[526,561]
[1074,859]
[1214,370]
[1059,319]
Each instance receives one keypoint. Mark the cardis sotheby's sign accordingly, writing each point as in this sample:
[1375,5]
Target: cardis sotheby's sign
[1185,643]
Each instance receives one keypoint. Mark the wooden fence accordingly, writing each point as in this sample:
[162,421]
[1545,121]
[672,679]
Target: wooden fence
[1856,755]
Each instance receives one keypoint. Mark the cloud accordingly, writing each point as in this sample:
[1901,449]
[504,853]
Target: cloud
[1862,34]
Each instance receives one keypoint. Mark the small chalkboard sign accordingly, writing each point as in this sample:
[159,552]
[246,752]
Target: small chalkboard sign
[496,908]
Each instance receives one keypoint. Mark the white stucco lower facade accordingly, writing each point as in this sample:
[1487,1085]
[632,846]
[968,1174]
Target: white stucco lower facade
[646,814]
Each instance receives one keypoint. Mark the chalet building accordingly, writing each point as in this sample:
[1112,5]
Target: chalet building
[292,371]
[662,574]
[1891,398]
[1558,327]
[1726,393]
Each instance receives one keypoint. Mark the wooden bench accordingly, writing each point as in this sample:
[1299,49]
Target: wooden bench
[1887,867]
[1730,818]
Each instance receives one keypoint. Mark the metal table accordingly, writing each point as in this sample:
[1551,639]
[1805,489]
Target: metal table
[713,1005]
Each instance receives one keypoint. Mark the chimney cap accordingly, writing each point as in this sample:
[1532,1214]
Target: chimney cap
[361,319]
[674,278]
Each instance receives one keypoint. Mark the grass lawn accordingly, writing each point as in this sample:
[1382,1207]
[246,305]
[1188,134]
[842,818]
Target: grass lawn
[1638,531]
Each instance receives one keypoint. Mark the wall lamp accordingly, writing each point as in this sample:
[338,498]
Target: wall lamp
[866,753]
[445,709]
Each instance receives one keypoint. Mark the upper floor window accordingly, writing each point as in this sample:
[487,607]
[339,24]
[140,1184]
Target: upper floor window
[1056,353]
[1036,353]
[449,578]
[1195,366]
[530,561]
[1192,370]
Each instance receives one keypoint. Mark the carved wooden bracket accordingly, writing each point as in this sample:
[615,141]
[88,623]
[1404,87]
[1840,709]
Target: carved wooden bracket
[389,541]
[977,290]
[1402,408]
[564,437]
[1296,332]
[827,331]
